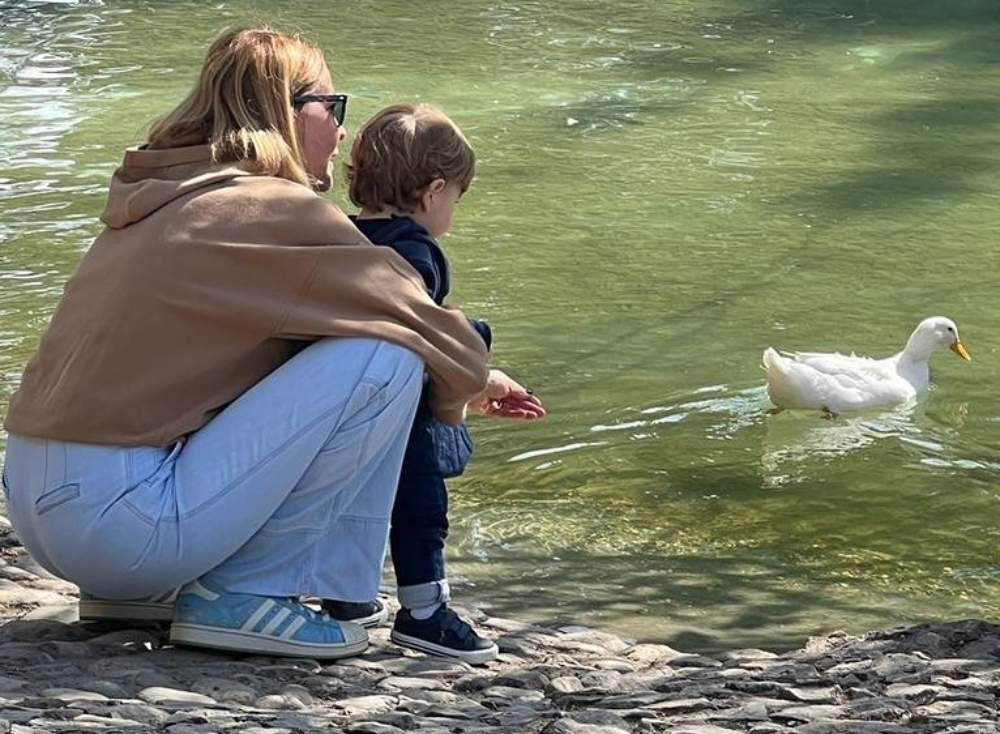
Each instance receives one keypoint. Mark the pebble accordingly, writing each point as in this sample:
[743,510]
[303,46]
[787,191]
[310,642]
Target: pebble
[58,675]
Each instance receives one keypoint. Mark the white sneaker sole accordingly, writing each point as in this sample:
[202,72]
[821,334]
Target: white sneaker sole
[376,619]
[100,610]
[372,620]
[475,657]
[256,643]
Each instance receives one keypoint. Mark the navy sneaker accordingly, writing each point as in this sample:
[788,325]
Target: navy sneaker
[443,633]
[365,613]
[263,625]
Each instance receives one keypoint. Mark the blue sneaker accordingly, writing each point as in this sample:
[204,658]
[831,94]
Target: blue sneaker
[158,608]
[262,625]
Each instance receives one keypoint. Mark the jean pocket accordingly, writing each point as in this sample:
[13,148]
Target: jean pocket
[58,496]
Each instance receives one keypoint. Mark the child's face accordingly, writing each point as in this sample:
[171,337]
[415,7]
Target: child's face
[437,206]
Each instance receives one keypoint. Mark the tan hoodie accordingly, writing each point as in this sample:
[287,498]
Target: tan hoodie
[197,289]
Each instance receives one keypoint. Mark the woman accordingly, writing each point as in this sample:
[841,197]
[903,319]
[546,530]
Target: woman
[171,430]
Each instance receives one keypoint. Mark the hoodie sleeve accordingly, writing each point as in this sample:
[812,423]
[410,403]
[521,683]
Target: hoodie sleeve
[357,289]
[385,299]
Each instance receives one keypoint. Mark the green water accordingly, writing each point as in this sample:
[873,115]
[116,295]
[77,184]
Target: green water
[665,188]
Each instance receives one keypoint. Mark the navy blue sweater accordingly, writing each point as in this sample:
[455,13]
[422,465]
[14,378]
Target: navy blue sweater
[434,448]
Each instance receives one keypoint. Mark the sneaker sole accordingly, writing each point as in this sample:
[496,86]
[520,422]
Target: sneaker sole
[372,620]
[475,657]
[376,619]
[124,611]
[254,643]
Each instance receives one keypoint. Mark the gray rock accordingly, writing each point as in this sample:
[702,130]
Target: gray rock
[920,693]
[814,694]
[957,711]
[366,705]
[280,702]
[572,726]
[174,697]
[64,677]
[532,679]
[565,684]
[224,690]
[8,685]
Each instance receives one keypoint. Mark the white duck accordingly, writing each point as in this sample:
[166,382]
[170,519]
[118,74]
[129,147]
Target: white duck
[835,383]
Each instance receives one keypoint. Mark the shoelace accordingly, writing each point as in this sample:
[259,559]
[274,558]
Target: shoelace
[311,614]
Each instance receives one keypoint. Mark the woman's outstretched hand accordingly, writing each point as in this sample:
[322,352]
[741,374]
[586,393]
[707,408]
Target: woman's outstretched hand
[504,397]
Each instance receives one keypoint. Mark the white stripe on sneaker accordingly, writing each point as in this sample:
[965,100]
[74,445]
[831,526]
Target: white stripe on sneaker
[198,590]
[259,613]
[293,627]
[276,621]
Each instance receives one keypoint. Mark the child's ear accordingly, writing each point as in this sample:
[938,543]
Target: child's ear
[433,188]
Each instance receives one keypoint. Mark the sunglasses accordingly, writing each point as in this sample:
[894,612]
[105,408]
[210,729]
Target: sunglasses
[337,102]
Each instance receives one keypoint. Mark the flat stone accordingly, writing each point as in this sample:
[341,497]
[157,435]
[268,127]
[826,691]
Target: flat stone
[513,694]
[8,685]
[571,726]
[681,704]
[160,695]
[921,693]
[808,713]
[403,683]
[814,694]
[71,694]
[366,705]
[957,710]
[532,679]
[648,654]
[280,702]
[853,726]
[565,684]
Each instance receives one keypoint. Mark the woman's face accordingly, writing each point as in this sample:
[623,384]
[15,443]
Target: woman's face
[319,133]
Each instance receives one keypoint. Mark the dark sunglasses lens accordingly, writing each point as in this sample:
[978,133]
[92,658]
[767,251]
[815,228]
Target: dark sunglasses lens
[337,108]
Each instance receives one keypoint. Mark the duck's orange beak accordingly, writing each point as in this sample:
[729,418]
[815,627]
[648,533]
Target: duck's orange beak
[958,348]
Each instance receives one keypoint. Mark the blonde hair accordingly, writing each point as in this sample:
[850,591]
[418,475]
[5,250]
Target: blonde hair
[242,103]
[399,152]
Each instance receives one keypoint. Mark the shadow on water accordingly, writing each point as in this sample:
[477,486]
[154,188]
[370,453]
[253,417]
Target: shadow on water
[698,602]
[913,138]
[819,19]
[903,143]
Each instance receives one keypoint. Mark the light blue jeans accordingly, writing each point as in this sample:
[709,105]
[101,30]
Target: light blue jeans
[286,492]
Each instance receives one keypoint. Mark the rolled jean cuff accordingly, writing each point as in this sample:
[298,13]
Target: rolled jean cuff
[424,595]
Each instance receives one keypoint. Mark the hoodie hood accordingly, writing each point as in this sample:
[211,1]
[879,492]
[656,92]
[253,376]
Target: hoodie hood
[149,179]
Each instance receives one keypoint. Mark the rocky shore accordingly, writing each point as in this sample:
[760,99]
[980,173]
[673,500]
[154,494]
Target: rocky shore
[58,675]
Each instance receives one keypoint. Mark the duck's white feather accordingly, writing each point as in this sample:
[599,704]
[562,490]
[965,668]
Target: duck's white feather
[837,382]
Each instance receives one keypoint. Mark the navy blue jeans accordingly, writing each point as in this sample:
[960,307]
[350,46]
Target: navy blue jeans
[419,529]
[420,513]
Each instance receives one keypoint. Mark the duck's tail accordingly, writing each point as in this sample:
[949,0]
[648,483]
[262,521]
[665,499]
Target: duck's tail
[779,385]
